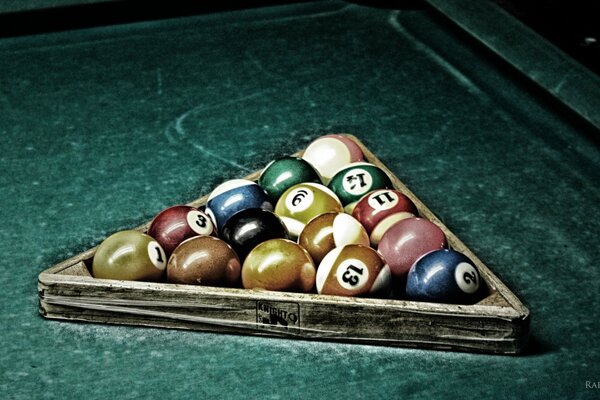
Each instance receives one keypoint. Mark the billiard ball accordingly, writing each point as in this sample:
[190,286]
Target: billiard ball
[248,228]
[285,172]
[407,240]
[175,224]
[356,180]
[328,231]
[301,203]
[233,196]
[129,255]
[380,209]
[329,153]
[204,260]
[444,276]
[353,270]
[279,264]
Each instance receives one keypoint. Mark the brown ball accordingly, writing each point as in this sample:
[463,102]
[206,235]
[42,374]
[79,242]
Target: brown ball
[204,260]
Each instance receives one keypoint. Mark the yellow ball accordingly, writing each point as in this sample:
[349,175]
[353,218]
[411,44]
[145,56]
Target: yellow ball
[301,203]
[129,255]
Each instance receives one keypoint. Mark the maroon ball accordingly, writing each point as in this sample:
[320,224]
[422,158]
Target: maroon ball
[381,209]
[178,223]
[407,240]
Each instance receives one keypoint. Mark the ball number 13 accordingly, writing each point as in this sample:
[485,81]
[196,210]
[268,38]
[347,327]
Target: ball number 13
[352,275]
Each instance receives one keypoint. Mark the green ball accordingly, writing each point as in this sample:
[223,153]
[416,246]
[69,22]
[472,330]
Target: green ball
[351,183]
[285,172]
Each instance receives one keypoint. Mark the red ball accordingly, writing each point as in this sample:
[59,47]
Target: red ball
[178,223]
[380,209]
[407,240]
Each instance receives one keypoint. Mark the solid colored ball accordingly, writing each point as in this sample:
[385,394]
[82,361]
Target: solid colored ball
[234,196]
[281,174]
[353,270]
[204,260]
[444,276]
[354,181]
[407,240]
[381,209]
[175,224]
[279,264]
[129,255]
[248,228]
[329,153]
[301,203]
[328,231]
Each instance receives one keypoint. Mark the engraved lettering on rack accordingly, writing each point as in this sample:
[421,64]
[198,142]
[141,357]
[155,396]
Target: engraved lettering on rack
[278,313]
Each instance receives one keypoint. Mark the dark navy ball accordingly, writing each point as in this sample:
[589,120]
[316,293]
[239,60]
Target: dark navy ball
[444,276]
[233,196]
[248,228]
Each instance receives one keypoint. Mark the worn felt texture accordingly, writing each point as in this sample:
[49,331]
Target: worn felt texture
[102,128]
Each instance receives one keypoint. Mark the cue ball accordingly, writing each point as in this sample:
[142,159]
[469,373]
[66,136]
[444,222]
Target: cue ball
[328,231]
[279,264]
[353,270]
[175,224]
[354,181]
[407,240]
[204,260]
[301,203]
[444,276]
[234,196]
[129,255]
[248,228]
[281,174]
[329,153]
[380,209]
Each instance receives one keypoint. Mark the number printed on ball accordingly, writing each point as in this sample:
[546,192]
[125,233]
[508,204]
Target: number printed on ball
[466,277]
[199,223]
[299,199]
[357,181]
[157,255]
[383,201]
[352,274]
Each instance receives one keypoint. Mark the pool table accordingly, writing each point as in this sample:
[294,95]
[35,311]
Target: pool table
[496,130]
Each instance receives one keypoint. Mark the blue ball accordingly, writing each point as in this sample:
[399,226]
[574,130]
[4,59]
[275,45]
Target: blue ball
[444,276]
[234,196]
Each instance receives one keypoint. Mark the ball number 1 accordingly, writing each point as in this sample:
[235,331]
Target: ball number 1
[157,255]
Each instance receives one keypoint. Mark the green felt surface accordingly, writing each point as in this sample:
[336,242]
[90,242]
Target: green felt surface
[100,129]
